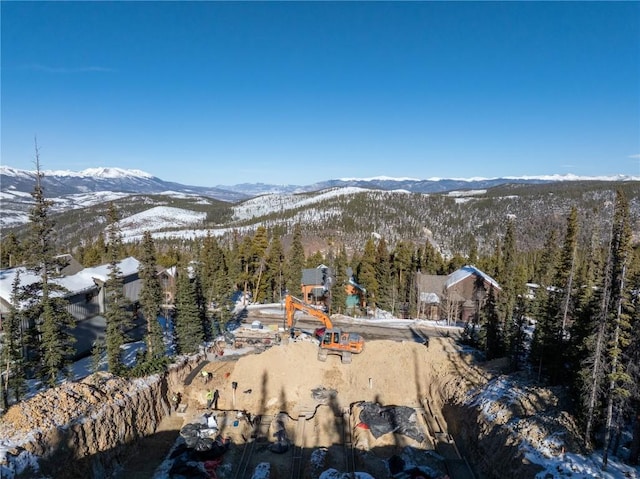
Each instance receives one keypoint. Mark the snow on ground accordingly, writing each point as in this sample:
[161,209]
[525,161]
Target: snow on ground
[264,205]
[548,453]
[160,217]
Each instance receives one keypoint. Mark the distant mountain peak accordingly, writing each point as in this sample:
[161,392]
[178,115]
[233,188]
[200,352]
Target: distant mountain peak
[100,172]
[104,172]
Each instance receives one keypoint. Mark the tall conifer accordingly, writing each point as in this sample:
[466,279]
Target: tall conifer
[117,305]
[151,297]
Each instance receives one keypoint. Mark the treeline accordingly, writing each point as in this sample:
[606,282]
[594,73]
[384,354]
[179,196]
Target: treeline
[584,309]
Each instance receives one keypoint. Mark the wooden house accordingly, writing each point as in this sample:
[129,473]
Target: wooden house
[316,285]
[458,296]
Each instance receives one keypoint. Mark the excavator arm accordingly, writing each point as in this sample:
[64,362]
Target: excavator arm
[293,304]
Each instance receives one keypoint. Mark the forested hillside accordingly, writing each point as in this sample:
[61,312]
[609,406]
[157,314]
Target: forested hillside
[454,222]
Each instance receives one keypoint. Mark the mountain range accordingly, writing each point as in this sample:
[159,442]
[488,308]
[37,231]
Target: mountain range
[446,211]
[61,182]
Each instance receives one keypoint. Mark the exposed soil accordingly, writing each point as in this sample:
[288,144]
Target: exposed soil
[283,383]
[284,396]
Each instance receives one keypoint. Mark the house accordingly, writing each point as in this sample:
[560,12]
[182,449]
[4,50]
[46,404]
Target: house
[316,285]
[458,296]
[356,293]
[85,293]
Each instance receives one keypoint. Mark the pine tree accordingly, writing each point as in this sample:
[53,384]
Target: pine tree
[258,260]
[11,251]
[338,293]
[151,297]
[295,263]
[188,324]
[275,269]
[619,385]
[507,277]
[560,305]
[366,273]
[117,315]
[551,332]
[432,261]
[632,360]
[401,264]
[246,266]
[201,302]
[492,333]
[12,350]
[54,341]
[221,285]
[383,275]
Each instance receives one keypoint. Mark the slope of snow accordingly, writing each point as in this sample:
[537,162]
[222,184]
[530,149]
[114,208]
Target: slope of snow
[493,400]
[264,205]
[160,217]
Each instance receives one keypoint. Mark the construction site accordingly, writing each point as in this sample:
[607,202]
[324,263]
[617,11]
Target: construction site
[269,403]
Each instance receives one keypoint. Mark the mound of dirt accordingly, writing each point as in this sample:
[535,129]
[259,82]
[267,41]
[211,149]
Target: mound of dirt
[284,378]
[57,407]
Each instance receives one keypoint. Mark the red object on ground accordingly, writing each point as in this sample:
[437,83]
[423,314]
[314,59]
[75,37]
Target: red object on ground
[362,425]
[211,466]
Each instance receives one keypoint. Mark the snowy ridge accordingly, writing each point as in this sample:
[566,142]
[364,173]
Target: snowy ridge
[100,172]
[160,217]
[264,205]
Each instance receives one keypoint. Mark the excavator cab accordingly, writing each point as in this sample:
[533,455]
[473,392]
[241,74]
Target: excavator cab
[332,340]
[336,341]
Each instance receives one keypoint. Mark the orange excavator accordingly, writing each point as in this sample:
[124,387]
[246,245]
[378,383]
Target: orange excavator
[332,340]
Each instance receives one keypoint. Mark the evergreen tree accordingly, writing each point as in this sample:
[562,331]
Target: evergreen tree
[11,251]
[54,341]
[551,331]
[295,263]
[432,261]
[151,297]
[517,340]
[619,382]
[383,275]
[275,269]
[12,350]
[472,257]
[258,263]
[338,293]
[632,361]
[234,262]
[401,264]
[246,266]
[367,273]
[491,337]
[201,302]
[314,260]
[508,278]
[117,314]
[188,324]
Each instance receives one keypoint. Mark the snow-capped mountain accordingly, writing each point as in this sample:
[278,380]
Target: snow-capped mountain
[415,185]
[60,183]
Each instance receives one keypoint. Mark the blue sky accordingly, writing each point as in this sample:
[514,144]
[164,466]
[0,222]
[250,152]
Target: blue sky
[216,93]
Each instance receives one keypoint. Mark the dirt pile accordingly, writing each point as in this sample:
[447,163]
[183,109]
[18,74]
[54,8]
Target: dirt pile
[283,378]
[84,429]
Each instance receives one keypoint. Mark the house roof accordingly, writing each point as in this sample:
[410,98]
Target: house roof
[317,276]
[75,283]
[469,270]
